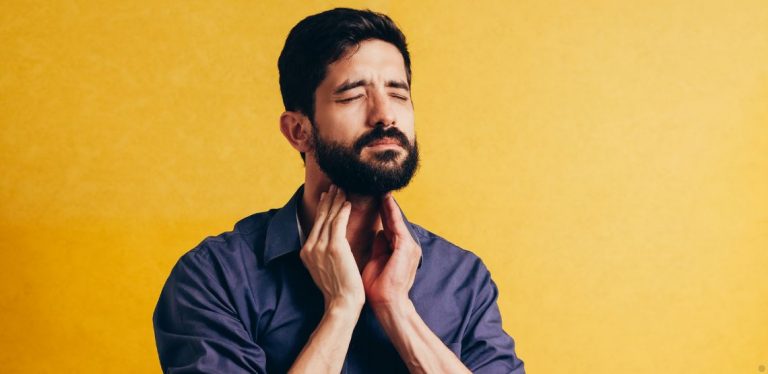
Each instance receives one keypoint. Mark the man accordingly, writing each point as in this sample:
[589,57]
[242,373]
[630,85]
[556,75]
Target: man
[337,280]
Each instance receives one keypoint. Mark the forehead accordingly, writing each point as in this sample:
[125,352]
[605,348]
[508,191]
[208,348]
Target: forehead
[372,59]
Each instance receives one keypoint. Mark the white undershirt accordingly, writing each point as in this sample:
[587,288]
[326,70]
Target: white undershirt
[302,237]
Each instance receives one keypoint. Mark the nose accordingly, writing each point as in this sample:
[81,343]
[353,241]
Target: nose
[380,112]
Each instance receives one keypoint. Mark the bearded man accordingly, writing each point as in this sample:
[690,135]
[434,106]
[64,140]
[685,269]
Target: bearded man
[337,280]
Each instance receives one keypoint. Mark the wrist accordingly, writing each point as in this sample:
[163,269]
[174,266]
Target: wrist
[344,308]
[394,308]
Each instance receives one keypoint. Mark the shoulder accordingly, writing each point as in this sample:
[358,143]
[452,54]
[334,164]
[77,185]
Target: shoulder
[242,246]
[441,254]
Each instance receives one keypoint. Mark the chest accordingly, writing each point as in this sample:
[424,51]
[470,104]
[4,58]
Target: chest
[282,323]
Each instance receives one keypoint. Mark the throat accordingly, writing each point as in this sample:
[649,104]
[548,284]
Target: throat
[364,223]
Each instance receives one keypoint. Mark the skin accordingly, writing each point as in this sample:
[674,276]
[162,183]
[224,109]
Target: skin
[359,249]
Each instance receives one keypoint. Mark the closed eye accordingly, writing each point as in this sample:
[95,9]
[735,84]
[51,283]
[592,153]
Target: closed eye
[400,97]
[349,99]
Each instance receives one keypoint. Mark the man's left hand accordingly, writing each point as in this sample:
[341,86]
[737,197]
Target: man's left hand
[391,269]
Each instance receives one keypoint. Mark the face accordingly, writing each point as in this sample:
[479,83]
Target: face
[363,137]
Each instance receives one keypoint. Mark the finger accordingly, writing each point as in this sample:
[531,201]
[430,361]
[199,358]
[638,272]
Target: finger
[380,245]
[326,203]
[333,211]
[339,229]
[379,256]
[384,214]
[337,203]
[319,218]
[393,219]
[325,207]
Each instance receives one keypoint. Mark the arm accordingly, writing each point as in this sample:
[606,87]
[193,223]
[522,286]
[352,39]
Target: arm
[388,277]
[421,350]
[328,257]
[197,329]
[486,347]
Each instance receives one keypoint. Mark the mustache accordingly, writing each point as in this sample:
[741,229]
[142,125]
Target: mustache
[379,133]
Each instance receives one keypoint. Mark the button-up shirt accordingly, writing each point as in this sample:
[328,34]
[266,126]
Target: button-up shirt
[243,301]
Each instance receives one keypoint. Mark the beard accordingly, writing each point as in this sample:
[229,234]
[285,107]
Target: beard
[347,170]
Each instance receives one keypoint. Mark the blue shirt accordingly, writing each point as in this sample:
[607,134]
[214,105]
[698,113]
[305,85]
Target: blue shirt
[244,302]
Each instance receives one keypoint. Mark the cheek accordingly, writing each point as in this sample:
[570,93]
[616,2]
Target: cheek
[406,122]
[340,124]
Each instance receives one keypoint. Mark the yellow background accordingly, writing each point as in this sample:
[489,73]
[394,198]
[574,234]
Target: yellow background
[607,159]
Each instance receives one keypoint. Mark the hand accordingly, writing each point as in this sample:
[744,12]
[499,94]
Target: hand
[391,269]
[328,256]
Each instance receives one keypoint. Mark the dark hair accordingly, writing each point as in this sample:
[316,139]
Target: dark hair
[321,39]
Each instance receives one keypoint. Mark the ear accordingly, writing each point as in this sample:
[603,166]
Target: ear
[296,127]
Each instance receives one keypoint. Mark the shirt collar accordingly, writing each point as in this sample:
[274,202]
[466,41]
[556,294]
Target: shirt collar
[284,232]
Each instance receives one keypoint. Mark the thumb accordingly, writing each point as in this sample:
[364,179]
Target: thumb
[379,257]
[392,219]
[380,246]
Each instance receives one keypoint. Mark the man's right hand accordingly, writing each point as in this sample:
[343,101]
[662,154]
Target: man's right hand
[328,256]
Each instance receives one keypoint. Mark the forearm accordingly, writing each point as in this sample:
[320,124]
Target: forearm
[419,347]
[328,344]
[328,257]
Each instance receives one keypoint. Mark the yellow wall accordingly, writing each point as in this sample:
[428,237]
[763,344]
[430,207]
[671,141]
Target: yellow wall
[607,159]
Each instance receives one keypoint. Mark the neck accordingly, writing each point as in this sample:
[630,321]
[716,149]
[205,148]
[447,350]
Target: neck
[364,220]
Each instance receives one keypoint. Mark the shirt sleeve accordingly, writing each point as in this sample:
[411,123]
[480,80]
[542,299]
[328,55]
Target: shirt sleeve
[486,347]
[197,330]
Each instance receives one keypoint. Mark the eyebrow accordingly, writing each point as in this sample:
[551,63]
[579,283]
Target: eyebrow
[347,85]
